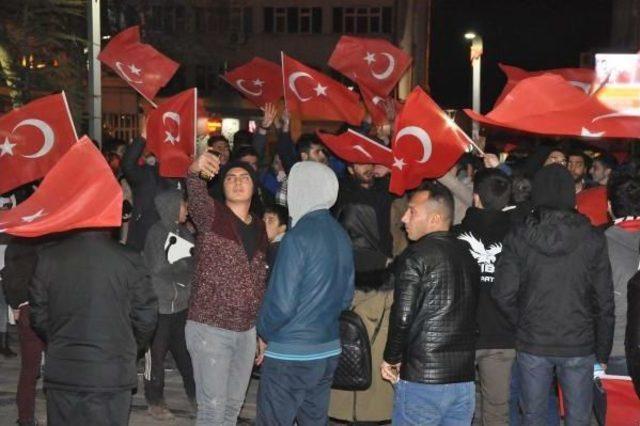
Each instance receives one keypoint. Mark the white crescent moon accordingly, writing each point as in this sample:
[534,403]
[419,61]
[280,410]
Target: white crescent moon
[172,116]
[47,132]
[619,114]
[240,84]
[292,84]
[362,150]
[580,85]
[386,73]
[422,136]
[124,74]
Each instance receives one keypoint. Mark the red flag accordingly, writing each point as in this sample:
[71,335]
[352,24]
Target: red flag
[623,406]
[549,105]
[139,64]
[314,95]
[593,204]
[374,63]
[80,191]
[32,139]
[375,105]
[353,147]
[426,145]
[258,80]
[582,78]
[171,133]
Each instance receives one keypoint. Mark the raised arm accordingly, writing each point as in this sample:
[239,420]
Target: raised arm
[201,205]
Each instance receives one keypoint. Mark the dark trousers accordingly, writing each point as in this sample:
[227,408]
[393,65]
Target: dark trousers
[31,347]
[65,408]
[169,337]
[575,375]
[295,390]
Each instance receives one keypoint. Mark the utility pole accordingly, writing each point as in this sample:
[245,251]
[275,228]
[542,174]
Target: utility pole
[95,86]
[406,44]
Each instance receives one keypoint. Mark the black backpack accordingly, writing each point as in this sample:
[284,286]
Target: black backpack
[354,366]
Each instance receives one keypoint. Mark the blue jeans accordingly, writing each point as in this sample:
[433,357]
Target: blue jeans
[419,404]
[515,416]
[575,375]
[295,390]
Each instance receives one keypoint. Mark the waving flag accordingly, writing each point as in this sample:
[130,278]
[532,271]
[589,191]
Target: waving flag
[259,80]
[314,95]
[427,143]
[139,64]
[32,140]
[353,147]
[171,133]
[374,63]
[80,191]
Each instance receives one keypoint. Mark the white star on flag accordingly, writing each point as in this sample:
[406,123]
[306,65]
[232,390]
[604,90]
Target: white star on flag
[320,90]
[370,58]
[258,82]
[6,148]
[399,163]
[134,70]
[171,139]
[34,216]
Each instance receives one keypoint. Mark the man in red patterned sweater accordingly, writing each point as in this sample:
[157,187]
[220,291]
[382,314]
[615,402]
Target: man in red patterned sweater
[228,287]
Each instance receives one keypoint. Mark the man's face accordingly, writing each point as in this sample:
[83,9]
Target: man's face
[576,167]
[556,157]
[362,173]
[599,172]
[316,153]
[238,186]
[251,160]
[182,216]
[416,218]
[222,147]
[272,223]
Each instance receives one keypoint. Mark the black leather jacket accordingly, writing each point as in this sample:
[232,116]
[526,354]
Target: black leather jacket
[632,338]
[432,327]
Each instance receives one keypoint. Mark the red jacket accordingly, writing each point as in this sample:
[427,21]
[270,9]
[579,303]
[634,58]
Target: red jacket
[227,287]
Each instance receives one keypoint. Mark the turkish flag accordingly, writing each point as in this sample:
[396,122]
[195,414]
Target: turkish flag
[623,406]
[259,80]
[375,105]
[80,191]
[314,95]
[550,105]
[353,147]
[582,78]
[427,143]
[371,62]
[171,133]
[32,140]
[593,204]
[139,64]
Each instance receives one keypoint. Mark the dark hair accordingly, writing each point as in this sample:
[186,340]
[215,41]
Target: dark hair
[280,211]
[438,193]
[623,192]
[607,160]
[243,151]
[305,141]
[493,187]
[585,157]
[521,187]
[217,138]
[242,137]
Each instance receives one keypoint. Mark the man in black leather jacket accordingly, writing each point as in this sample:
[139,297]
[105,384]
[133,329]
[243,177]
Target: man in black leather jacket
[553,282]
[432,326]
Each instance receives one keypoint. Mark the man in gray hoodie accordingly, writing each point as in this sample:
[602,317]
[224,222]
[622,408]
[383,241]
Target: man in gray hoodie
[171,281]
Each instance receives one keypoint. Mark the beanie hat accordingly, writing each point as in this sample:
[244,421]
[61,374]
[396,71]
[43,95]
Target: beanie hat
[219,191]
[553,187]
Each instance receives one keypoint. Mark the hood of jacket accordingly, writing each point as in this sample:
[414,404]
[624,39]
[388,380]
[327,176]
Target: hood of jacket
[168,207]
[311,186]
[490,224]
[555,232]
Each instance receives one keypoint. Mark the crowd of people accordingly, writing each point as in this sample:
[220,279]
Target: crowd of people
[487,277]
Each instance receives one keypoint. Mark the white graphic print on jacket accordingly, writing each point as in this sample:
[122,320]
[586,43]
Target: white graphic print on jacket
[486,258]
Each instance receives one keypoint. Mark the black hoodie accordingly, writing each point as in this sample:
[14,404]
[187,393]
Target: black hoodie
[483,231]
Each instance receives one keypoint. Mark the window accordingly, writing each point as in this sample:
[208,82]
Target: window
[362,20]
[241,19]
[169,19]
[122,126]
[293,20]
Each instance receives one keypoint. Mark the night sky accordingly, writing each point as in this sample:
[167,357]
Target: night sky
[532,34]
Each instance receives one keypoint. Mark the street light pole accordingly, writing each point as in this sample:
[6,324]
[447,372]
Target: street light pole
[476,62]
[95,87]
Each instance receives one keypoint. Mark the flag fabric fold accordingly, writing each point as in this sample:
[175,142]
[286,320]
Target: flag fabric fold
[259,80]
[354,147]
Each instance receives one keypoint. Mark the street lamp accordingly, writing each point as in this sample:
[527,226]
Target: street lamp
[475,56]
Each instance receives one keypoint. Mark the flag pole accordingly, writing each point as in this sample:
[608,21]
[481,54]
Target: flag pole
[95,86]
